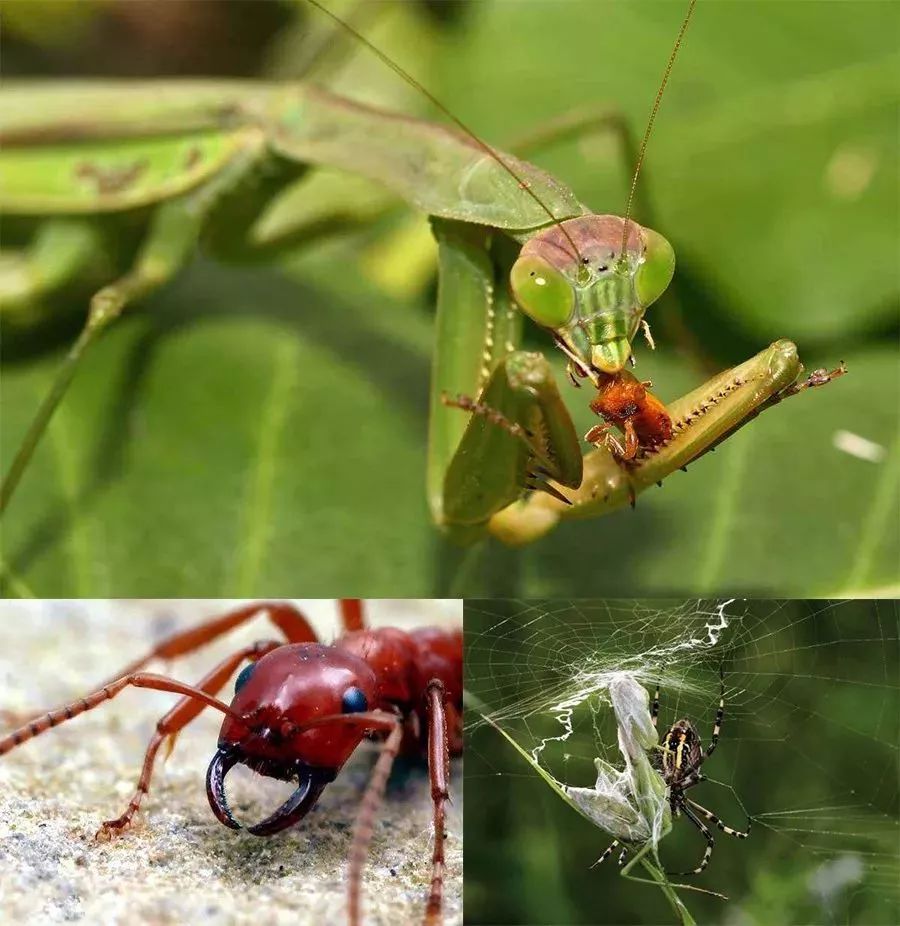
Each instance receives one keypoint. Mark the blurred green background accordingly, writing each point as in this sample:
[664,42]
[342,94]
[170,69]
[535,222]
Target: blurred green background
[262,430]
[808,745]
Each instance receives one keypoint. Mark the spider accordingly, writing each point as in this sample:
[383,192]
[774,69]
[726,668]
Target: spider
[678,761]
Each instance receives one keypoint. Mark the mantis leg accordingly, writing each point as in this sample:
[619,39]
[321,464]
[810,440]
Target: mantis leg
[292,206]
[519,433]
[63,250]
[701,420]
[172,238]
[575,125]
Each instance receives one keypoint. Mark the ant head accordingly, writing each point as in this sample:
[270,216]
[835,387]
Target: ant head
[278,698]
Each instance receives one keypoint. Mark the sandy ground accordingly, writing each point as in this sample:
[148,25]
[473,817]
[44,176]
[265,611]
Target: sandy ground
[180,865]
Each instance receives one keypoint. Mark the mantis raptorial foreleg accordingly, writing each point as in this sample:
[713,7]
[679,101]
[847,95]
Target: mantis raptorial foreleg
[701,419]
[576,124]
[469,338]
[519,433]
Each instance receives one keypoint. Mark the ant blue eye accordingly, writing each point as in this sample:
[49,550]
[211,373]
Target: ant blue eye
[354,701]
[244,674]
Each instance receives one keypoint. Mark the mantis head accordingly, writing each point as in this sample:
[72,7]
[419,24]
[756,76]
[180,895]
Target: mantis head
[593,301]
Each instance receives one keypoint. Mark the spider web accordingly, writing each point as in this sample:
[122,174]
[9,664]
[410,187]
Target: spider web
[811,707]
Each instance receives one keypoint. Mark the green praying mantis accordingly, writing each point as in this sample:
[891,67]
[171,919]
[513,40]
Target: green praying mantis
[115,200]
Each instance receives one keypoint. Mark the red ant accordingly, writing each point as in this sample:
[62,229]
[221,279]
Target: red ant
[299,711]
[626,403]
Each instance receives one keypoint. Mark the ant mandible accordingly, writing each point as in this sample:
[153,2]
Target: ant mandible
[299,711]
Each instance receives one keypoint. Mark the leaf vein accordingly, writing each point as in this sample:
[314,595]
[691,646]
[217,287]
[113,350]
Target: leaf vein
[257,510]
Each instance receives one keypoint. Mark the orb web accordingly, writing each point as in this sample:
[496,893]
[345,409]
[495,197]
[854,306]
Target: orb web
[812,685]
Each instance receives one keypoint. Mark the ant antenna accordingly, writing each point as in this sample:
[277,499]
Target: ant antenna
[652,119]
[405,75]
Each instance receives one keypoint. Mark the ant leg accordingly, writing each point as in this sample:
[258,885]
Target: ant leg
[439,773]
[294,625]
[632,444]
[173,722]
[596,434]
[362,833]
[53,718]
[352,614]
[602,435]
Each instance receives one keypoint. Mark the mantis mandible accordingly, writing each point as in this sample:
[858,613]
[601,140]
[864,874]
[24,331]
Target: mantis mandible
[125,192]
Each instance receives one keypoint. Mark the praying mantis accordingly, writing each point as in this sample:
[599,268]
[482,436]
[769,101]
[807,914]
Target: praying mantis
[125,192]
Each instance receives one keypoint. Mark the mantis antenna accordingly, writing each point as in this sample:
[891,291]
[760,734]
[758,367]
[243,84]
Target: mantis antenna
[651,120]
[405,75]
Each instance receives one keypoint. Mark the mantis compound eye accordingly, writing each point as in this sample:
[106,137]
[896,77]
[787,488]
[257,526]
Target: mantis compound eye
[656,270]
[542,292]
[243,677]
[354,701]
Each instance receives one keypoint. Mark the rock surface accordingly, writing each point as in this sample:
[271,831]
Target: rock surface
[179,865]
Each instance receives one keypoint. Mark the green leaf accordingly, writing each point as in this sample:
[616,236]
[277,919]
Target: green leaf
[244,432]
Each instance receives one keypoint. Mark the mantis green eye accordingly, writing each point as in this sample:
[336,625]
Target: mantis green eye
[655,273]
[542,292]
